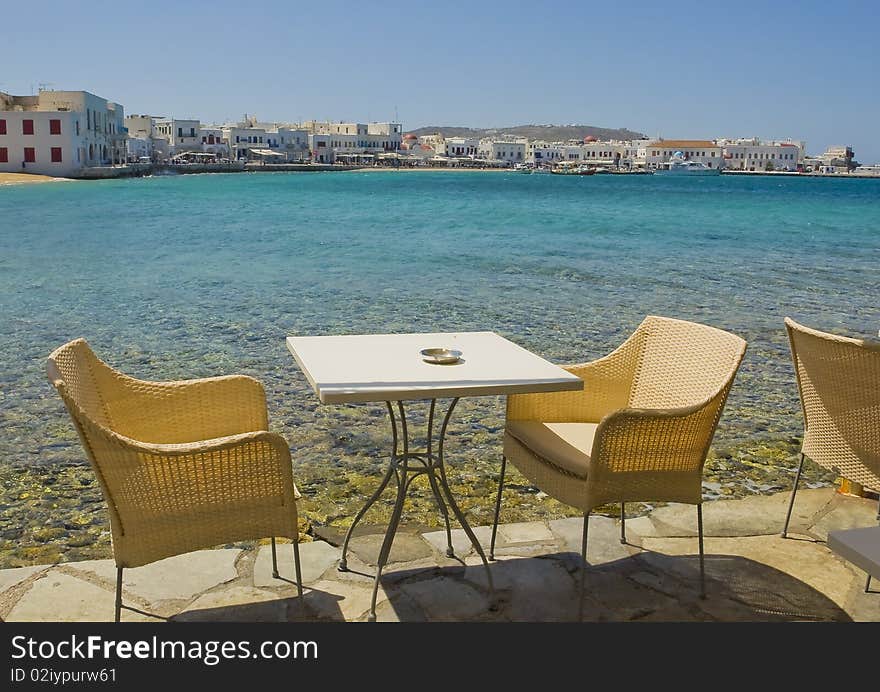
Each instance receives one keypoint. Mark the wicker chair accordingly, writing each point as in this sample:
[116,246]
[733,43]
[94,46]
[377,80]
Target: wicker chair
[182,465]
[839,383]
[639,431]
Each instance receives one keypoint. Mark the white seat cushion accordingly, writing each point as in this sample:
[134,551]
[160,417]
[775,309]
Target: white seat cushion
[566,445]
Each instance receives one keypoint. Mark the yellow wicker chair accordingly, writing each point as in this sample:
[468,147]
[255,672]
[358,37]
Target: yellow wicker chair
[182,465]
[839,383]
[639,431]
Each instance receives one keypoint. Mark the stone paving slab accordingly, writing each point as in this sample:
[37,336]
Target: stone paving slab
[654,576]
[525,532]
[773,570]
[445,599]
[12,577]
[341,600]
[758,515]
[236,604]
[603,538]
[461,544]
[315,559]
[178,577]
[406,548]
[844,513]
[59,597]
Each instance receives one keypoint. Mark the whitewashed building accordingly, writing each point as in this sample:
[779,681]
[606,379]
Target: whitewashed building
[658,152]
[213,141]
[60,132]
[140,142]
[243,140]
[457,146]
[753,154]
[179,135]
[507,151]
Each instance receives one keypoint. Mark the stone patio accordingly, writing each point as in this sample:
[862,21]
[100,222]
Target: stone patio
[752,573]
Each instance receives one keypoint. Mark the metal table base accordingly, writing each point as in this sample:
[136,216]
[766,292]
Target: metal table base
[402,469]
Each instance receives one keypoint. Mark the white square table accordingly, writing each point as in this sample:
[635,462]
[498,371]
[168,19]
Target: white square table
[860,547]
[390,368]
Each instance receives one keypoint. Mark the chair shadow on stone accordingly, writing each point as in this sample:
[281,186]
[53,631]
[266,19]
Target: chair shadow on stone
[314,606]
[645,587]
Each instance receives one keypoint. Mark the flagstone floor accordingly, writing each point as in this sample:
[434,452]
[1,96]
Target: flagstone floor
[752,573]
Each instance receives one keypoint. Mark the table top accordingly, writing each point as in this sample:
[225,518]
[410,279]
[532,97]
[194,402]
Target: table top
[859,546]
[389,367]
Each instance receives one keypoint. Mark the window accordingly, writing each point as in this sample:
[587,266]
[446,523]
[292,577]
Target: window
[54,127]
[88,119]
[180,132]
[192,132]
[205,140]
[2,126]
[4,155]
[27,127]
[30,155]
[77,128]
[56,154]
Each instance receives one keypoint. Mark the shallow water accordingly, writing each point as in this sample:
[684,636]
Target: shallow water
[186,276]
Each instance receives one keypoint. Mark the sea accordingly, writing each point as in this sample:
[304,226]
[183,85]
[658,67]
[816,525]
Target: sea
[175,277]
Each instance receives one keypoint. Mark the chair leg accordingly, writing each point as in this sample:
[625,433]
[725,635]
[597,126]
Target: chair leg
[118,615]
[299,579]
[274,560]
[622,523]
[497,507]
[702,556]
[797,480]
[583,567]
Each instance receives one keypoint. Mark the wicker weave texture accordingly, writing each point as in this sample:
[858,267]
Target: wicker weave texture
[839,383]
[183,465]
[657,399]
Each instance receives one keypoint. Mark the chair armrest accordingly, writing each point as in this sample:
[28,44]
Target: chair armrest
[607,385]
[655,439]
[189,410]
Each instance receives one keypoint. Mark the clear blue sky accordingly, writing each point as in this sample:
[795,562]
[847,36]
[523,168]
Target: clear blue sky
[807,69]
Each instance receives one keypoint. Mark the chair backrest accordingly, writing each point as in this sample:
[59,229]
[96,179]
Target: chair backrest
[683,363]
[839,383]
[84,381]
[78,374]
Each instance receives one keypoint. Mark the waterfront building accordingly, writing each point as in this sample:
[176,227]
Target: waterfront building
[457,146]
[244,140]
[352,139]
[658,152]
[60,132]
[753,154]
[213,141]
[838,158]
[179,135]
[540,153]
[141,137]
[507,151]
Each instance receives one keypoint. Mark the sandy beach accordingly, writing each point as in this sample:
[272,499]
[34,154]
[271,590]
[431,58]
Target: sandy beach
[24,178]
[429,169]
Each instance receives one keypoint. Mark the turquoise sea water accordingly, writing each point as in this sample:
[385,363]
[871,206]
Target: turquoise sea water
[185,276]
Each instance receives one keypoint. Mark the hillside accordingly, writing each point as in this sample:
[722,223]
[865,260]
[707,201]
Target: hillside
[550,133]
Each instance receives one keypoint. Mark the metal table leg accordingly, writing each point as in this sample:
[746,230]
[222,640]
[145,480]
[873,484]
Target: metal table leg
[400,468]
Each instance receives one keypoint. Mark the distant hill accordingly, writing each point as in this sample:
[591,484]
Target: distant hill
[551,133]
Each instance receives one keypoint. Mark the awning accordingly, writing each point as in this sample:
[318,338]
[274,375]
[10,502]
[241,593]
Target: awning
[266,152]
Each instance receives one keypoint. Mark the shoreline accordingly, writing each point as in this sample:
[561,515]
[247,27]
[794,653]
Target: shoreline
[29,179]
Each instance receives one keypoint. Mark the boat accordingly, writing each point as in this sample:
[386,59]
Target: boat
[679,165]
[522,168]
[572,168]
[540,170]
